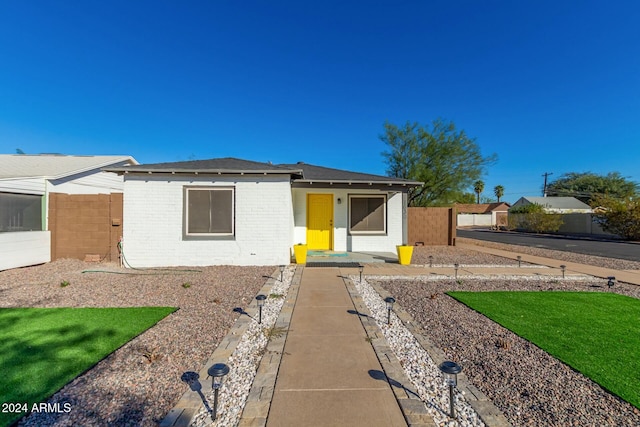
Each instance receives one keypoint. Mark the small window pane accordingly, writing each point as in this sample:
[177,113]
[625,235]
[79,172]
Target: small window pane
[221,211]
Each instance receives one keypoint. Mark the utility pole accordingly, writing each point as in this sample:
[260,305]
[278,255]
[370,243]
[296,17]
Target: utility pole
[544,191]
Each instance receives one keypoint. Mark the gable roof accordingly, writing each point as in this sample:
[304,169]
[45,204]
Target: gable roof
[554,202]
[320,174]
[481,208]
[54,166]
[226,165]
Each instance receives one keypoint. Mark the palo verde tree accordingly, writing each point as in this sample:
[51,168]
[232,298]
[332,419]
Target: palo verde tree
[478,188]
[442,157]
[586,186]
[498,190]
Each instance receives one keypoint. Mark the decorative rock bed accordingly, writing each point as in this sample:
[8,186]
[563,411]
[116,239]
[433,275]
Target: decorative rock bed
[528,385]
[244,361]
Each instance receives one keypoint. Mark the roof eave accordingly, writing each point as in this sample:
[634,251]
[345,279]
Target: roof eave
[360,182]
[127,170]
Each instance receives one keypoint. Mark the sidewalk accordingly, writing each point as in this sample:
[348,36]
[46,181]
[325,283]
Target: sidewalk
[627,276]
[324,378]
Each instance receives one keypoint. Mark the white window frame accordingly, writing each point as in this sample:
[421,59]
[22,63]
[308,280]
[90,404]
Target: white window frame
[384,212]
[187,190]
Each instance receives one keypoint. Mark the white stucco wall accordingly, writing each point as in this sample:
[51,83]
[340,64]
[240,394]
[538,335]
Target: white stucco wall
[24,248]
[153,222]
[342,241]
[468,220]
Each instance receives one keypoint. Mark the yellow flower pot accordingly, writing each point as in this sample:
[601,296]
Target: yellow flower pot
[404,254]
[300,252]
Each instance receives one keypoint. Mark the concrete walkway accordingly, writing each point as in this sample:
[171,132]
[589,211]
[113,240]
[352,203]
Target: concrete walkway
[324,378]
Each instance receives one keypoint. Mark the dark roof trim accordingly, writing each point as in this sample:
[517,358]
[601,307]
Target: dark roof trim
[389,182]
[127,170]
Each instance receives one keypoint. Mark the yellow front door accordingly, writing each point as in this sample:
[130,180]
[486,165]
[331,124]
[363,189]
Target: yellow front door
[320,221]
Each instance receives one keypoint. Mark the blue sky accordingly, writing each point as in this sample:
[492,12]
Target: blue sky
[549,86]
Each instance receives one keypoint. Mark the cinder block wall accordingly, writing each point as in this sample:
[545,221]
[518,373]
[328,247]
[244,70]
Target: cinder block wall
[432,226]
[87,224]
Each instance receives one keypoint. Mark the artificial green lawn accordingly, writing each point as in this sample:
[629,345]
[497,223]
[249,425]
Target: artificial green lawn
[42,349]
[596,333]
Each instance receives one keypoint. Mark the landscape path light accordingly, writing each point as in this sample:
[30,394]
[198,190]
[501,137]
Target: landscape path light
[611,281]
[281,271]
[360,269]
[455,267]
[519,260]
[451,371]
[563,268]
[260,298]
[389,301]
[217,373]
[430,261]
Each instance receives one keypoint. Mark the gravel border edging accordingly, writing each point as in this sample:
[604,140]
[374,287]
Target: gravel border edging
[413,408]
[484,407]
[186,410]
[256,409]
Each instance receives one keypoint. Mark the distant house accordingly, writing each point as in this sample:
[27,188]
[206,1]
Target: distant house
[49,206]
[555,204]
[241,212]
[482,214]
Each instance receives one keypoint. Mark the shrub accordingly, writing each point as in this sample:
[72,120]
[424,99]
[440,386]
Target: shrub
[533,218]
[618,216]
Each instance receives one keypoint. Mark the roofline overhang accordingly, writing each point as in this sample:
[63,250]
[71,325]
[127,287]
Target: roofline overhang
[102,166]
[295,173]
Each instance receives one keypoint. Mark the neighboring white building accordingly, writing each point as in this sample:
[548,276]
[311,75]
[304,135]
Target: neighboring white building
[26,181]
[482,214]
[555,204]
[239,212]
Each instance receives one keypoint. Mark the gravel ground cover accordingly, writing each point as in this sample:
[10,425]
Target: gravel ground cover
[449,255]
[140,382]
[529,386]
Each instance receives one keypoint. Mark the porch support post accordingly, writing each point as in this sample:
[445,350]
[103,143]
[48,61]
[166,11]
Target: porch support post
[405,228]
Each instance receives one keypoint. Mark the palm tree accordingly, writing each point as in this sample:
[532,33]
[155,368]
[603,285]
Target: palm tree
[478,187]
[498,190]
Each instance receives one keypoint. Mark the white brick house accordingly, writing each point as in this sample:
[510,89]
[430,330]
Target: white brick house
[239,212]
